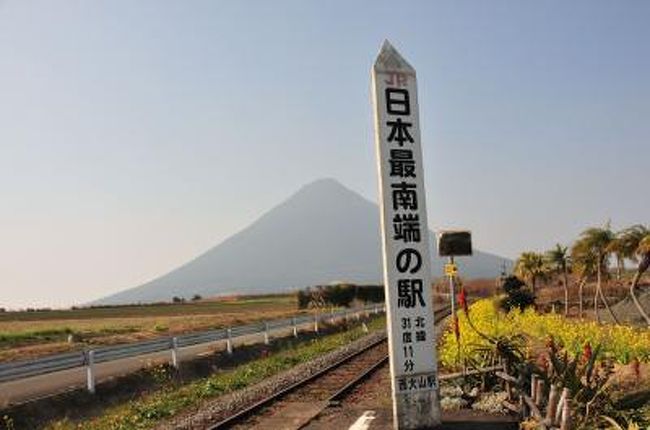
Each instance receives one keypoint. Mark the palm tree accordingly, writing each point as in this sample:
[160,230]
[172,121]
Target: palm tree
[595,241]
[630,239]
[584,266]
[637,238]
[558,258]
[530,266]
[617,248]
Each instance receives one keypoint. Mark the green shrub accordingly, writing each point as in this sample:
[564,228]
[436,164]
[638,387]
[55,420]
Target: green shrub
[517,294]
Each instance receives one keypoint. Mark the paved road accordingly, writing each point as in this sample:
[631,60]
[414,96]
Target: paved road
[27,389]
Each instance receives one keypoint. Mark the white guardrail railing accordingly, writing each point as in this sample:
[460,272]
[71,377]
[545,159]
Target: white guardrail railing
[16,370]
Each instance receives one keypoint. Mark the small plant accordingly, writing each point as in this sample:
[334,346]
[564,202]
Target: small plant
[508,349]
[160,373]
[491,403]
[160,328]
[587,379]
[452,403]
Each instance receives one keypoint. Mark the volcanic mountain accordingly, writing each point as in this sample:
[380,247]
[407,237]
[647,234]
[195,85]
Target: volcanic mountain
[322,234]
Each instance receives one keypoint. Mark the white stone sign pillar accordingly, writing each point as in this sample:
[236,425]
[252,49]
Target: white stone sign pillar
[405,244]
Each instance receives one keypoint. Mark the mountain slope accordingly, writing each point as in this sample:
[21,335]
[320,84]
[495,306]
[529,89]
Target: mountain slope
[323,233]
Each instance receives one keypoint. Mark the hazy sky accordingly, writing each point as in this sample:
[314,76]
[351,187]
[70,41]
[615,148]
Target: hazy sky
[136,134]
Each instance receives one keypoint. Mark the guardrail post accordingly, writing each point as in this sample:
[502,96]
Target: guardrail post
[266,333]
[376,310]
[90,371]
[175,361]
[294,326]
[229,340]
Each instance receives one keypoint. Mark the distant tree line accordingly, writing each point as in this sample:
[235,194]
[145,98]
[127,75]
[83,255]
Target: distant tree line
[195,298]
[174,301]
[339,295]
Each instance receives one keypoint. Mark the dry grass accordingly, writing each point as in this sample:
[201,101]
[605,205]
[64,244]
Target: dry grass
[30,334]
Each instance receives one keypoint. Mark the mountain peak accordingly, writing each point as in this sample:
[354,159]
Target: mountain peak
[323,232]
[323,184]
[324,194]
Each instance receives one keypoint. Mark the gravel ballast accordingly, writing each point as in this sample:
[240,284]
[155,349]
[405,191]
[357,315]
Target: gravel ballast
[220,408]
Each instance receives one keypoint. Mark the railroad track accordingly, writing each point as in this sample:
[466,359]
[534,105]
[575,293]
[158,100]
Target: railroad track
[297,405]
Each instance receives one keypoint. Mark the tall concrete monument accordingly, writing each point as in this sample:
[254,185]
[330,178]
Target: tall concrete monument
[405,243]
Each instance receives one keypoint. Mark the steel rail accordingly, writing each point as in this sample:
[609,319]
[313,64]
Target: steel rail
[237,417]
[246,412]
[341,393]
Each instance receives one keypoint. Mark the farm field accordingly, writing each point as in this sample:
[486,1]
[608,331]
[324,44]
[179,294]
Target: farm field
[31,334]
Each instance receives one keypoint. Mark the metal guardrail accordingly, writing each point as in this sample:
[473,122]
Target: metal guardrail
[16,370]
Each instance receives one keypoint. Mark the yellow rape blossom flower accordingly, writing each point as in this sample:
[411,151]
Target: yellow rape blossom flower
[620,342]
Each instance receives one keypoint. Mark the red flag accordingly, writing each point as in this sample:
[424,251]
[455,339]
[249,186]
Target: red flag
[462,300]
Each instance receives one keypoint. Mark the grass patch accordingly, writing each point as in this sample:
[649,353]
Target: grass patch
[173,398]
[14,339]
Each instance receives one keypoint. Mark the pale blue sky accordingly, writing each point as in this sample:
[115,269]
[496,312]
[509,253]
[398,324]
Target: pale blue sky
[137,134]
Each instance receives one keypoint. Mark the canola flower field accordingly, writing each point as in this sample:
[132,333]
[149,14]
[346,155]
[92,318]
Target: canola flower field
[621,343]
